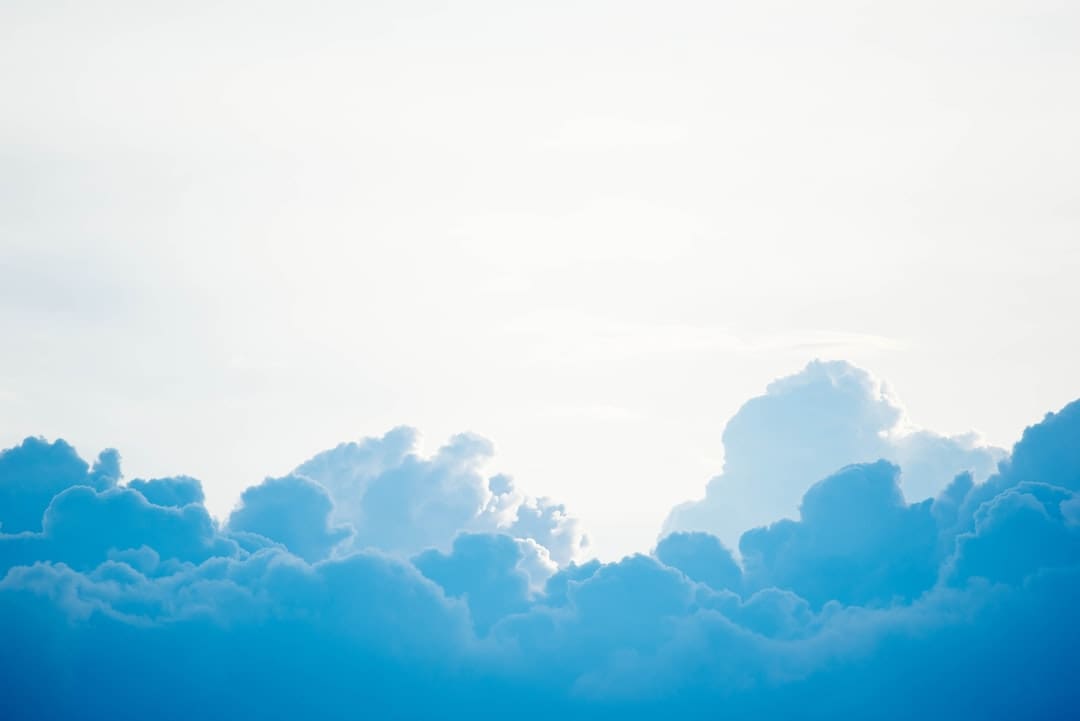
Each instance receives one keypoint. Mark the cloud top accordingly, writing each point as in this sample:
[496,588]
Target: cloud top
[806,426]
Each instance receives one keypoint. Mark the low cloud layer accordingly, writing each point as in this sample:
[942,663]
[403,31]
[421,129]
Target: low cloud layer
[373,582]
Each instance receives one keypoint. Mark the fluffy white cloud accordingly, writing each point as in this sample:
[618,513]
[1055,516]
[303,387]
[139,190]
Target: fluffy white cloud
[806,426]
[397,501]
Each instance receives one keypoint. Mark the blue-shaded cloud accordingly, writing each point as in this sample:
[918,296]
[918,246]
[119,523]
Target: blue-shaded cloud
[807,425]
[376,583]
[35,471]
[702,557]
[177,492]
[1048,452]
[398,501]
[82,527]
[1022,530]
[485,571]
[293,511]
[857,542]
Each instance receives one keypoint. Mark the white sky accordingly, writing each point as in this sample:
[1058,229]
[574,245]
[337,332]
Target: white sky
[235,233]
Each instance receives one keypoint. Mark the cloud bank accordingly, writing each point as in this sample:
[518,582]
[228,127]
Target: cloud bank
[373,582]
[809,424]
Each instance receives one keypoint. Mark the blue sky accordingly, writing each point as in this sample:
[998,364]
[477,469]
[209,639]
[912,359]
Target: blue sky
[565,358]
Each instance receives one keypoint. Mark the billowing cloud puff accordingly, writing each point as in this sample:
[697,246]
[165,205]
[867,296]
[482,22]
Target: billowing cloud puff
[489,572]
[1028,527]
[829,415]
[399,502]
[702,557]
[83,527]
[857,542]
[292,511]
[132,602]
[177,492]
[34,472]
[1047,452]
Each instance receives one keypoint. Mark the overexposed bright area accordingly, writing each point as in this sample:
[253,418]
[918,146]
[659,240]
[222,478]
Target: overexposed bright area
[233,234]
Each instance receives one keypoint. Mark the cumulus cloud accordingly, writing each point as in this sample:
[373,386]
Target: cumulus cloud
[829,415]
[856,541]
[1024,529]
[177,492]
[127,602]
[490,572]
[35,471]
[81,527]
[702,557]
[398,501]
[1047,452]
[293,511]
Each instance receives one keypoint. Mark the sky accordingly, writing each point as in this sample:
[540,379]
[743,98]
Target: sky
[503,360]
[233,235]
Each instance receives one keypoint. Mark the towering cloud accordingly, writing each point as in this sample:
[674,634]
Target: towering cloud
[375,583]
[807,425]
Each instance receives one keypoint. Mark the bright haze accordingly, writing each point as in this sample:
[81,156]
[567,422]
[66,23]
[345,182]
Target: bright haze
[234,234]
